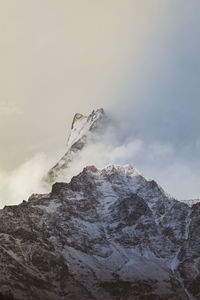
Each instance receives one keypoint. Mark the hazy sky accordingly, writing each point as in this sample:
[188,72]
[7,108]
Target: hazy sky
[60,57]
[138,59]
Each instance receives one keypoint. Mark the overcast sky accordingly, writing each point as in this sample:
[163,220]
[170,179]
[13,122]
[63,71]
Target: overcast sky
[138,59]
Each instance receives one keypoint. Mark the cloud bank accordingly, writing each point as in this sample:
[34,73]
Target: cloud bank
[137,59]
[154,159]
[21,183]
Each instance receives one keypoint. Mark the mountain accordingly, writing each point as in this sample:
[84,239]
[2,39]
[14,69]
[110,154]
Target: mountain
[83,130]
[108,234]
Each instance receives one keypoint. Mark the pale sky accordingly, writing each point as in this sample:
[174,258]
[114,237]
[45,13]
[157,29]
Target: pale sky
[61,57]
[138,59]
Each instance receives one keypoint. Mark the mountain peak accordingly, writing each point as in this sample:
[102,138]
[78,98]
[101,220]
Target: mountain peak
[76,118]
[83,125]
[122,170]
[108,232]
[83,128]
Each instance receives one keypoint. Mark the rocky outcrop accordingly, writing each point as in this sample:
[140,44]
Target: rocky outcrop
[108,234]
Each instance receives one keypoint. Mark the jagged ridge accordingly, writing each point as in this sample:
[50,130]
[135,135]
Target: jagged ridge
[82,130]
[108,234]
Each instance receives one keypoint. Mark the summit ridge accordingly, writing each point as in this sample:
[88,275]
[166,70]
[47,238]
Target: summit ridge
[82,130]
[108,234]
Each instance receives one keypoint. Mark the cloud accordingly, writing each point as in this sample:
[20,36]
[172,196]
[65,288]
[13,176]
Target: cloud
[64,57]
[19,184]
[156,160]
[159,103]
[139,59]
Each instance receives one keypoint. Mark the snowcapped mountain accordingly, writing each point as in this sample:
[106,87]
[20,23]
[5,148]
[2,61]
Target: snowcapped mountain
[109,234]
[84,129]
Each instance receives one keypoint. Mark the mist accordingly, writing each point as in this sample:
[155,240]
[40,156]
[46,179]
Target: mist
[22,182]
[153,159]
[140,61]
[159,102]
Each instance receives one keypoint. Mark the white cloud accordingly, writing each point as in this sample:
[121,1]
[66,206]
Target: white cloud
[155,160]
[19,184]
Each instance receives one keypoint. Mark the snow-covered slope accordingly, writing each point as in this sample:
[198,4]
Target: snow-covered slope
[84,129]
[108,234]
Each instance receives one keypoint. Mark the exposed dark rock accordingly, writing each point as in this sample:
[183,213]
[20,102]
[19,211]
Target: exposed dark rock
[109,234]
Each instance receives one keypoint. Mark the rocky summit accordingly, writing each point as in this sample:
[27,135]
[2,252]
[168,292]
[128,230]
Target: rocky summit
[108,234]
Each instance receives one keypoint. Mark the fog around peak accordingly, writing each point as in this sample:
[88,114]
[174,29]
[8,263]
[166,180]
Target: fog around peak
[139,60]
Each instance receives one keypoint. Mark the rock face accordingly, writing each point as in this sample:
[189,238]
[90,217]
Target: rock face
[83,129]
[108,234]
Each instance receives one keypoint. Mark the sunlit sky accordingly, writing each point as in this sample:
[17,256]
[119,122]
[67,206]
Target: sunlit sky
[138,59]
